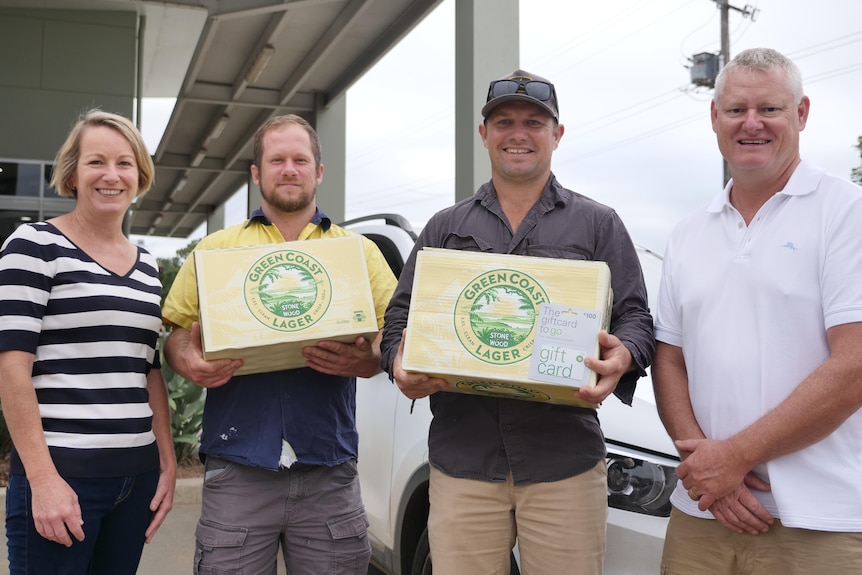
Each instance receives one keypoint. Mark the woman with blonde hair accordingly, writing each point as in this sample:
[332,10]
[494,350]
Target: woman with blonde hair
[92,467]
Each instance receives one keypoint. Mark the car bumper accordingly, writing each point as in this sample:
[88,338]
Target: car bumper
[635,543]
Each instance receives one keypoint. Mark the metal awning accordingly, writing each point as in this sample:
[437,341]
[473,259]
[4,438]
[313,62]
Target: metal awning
[237,63]
[255,59]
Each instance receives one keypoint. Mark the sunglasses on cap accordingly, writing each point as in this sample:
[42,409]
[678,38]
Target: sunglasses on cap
[537,89]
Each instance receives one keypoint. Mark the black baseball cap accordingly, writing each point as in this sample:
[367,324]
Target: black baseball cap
[524,86]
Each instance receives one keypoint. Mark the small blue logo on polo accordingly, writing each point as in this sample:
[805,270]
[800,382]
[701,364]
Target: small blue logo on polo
[789,246]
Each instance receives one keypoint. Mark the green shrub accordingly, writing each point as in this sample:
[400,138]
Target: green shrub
[186,402]
[185,399]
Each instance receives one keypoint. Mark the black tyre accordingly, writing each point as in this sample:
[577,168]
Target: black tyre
[422,557]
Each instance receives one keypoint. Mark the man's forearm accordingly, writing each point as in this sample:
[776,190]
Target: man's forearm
[670,383]
[176,341]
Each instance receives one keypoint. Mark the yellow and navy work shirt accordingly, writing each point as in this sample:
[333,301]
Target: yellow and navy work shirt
[246,419]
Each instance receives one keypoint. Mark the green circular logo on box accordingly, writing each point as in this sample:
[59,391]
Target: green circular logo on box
[287,290]
[495,315]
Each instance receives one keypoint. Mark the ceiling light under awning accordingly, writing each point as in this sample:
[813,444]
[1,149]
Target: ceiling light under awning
[260,63]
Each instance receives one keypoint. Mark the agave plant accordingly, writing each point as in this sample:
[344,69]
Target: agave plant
[186,401]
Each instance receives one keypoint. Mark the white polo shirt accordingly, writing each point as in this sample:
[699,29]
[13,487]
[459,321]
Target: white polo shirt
[750,306]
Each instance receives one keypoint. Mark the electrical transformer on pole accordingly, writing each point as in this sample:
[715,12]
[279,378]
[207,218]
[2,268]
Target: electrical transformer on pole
[706,65]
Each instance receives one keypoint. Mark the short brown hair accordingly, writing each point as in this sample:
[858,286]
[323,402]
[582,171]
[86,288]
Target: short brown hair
[279,121]
[67,158]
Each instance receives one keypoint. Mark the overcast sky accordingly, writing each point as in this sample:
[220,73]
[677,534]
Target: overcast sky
[638,136]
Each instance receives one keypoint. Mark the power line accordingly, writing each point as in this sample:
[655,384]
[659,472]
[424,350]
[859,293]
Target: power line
[419,185]
[683,54]
[627,37]
[637,138]
[630,111]
[833,73]
[682,122]
[412,131]
[739,32]
[845,40]
[599,29]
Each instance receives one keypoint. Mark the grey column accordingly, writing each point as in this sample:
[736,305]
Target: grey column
[487,46]
[331,127]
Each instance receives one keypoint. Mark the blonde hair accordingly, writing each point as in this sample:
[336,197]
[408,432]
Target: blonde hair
[67,158]
[762,60]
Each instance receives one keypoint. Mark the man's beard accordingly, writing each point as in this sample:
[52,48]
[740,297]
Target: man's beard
[288,205]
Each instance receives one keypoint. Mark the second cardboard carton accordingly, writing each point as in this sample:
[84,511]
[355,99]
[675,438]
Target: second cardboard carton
[263,304]
[505,325]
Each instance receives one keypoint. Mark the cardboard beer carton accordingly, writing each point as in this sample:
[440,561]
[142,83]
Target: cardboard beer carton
[263,304]
[506,325]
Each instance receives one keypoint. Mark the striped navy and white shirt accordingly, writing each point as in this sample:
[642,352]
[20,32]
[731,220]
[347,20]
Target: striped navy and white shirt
[94,336]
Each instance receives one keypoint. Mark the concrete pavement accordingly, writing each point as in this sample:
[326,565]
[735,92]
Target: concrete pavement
[173,547]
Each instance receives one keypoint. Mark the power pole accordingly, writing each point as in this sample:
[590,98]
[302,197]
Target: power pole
[725,8]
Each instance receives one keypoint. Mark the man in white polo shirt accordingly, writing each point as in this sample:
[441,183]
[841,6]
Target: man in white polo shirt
[758,370]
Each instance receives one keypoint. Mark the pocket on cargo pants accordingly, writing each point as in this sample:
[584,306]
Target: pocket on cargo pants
[218,549]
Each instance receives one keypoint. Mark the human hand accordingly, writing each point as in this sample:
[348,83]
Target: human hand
[711,471]
[741,511]
[617,360]
[335,358]
[56,512]
[205,373]
[162,502]
[414,385]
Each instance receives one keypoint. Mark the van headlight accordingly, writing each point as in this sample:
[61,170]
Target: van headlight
[640,486]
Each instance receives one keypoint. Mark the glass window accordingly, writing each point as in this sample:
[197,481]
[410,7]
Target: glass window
[49,191]
[20,179]
[8,178]
[29,180]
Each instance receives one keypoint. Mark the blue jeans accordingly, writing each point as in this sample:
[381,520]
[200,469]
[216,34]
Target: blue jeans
[116,513]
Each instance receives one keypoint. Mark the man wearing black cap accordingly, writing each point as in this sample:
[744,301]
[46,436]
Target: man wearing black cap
[505,467]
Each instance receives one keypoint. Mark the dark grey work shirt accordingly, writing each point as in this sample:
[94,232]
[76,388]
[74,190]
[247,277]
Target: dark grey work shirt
[485,438]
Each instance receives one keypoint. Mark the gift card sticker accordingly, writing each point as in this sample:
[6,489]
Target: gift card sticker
[564,337]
